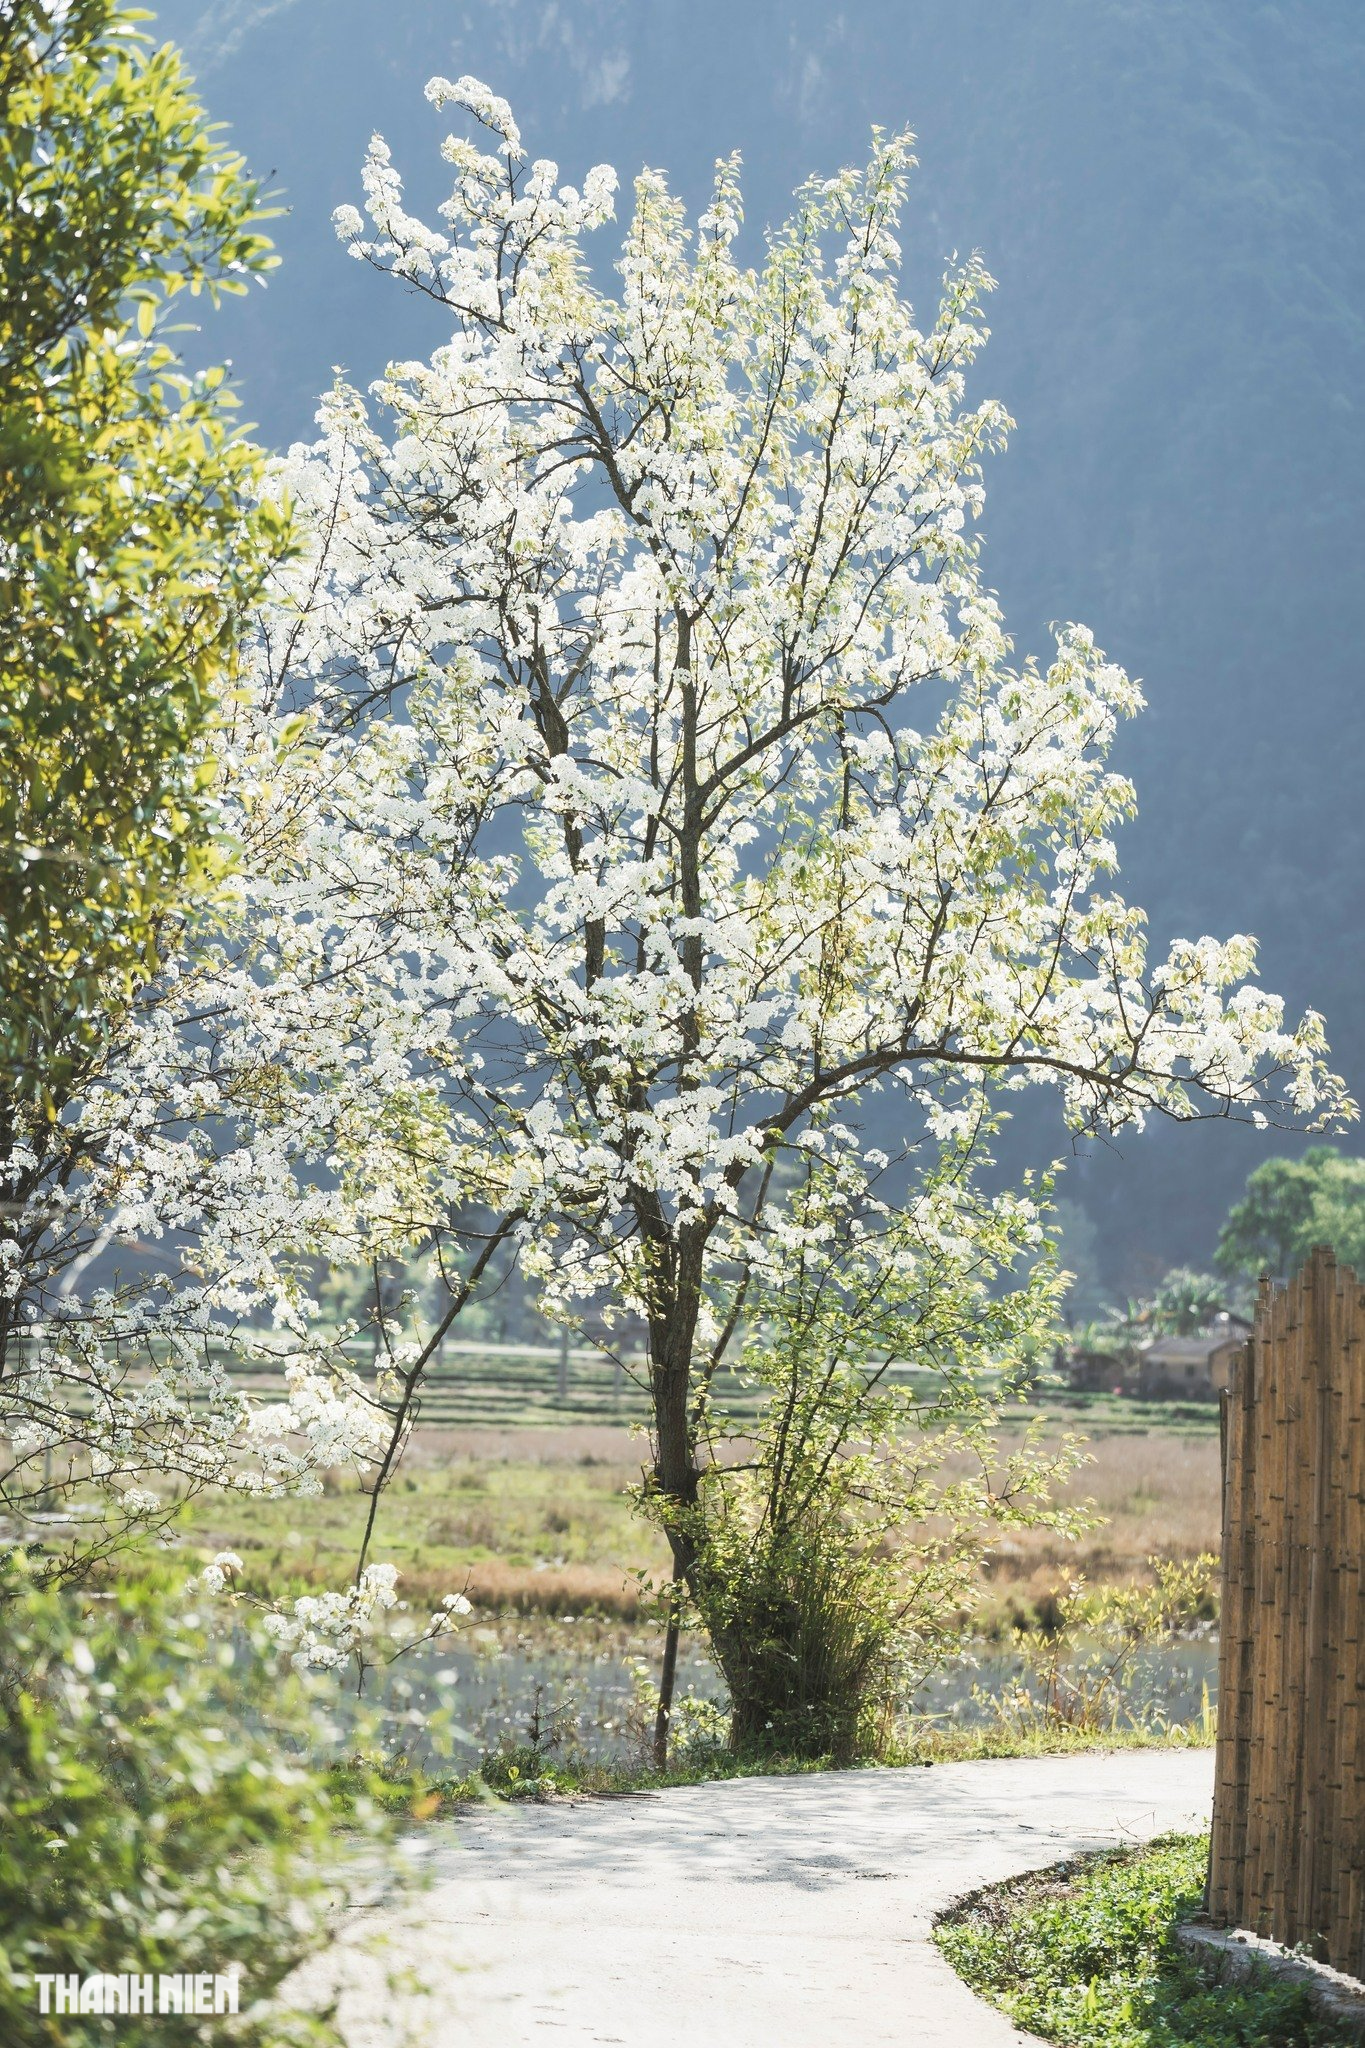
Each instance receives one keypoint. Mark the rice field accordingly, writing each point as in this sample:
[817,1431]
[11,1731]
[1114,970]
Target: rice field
[539,1520]
[536,1525]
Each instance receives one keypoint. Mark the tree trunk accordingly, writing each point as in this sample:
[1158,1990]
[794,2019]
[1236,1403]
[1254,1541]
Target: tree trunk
[667,1678]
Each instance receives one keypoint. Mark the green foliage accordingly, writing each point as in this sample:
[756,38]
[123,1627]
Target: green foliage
[1289,1206]
[520,1772]
[1186,1302]
[831,1562]
[151,1817]
[1085,1956]
[809,1626]
[1080,1661]
[130,544]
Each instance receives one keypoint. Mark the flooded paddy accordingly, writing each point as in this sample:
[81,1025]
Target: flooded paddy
[584,1688]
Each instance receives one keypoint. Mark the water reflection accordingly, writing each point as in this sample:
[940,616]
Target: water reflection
[582,1688]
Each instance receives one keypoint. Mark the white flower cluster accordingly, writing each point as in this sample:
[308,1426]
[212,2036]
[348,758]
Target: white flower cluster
[217,1575]
[322,1630]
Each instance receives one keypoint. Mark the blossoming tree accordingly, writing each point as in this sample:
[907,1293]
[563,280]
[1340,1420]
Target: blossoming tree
[670,754]
[654,866]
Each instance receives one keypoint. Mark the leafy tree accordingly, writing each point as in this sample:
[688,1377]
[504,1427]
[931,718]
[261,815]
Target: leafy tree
[1186,1302]
[1289,1206]
[131,543]
[128,546]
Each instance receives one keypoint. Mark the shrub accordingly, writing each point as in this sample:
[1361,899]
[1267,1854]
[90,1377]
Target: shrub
[831,1555]
[1081,1660]
[807,1627]
[156,1811]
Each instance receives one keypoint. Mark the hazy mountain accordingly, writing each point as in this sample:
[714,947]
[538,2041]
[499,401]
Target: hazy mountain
[1170,194]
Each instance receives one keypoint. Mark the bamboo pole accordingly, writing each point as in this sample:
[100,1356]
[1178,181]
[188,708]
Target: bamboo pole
[1331,1858]
[1348,1937]
[1227,1847]
[1272,1601]
[1312,1881]
[1287,1854]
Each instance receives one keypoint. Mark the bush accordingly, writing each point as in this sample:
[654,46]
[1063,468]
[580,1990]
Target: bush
[807,1626]
[1082,1659]
[152,1817]
[831,1559]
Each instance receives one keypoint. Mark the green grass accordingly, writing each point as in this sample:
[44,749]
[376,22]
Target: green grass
[470,1385]
[523,1772]
[928,1743]
[1084,1955]
[543,1520]
[566,1531]
[514,1386]
[1120,1414]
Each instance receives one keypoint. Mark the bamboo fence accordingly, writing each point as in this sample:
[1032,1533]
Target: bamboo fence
[1288,1852]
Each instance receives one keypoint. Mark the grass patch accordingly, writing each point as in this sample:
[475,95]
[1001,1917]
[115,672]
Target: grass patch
[521,1771]
[522,1534]
[524,1773]
[928,1743]
[1084,1955]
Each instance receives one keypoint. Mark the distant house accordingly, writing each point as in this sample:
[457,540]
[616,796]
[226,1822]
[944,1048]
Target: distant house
[1197,1367]
[1095,1372]
[1200,1366]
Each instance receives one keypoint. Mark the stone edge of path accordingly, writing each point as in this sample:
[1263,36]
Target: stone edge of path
[1231,1953]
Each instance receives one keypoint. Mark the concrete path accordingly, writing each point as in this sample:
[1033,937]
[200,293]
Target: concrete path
[763,1913]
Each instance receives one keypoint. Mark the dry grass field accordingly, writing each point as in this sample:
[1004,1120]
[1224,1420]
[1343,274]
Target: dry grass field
[539,1521]
[1158,1496]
